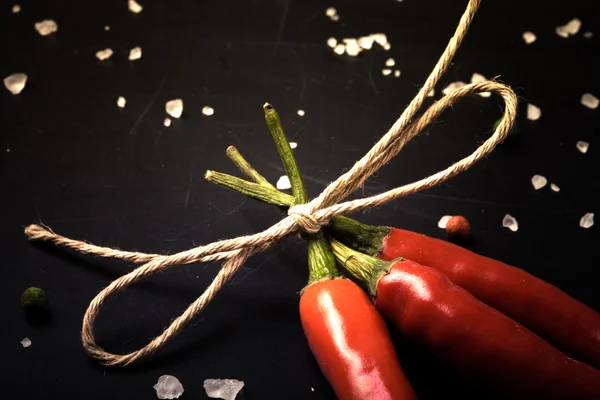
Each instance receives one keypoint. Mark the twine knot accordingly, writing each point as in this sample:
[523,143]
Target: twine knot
[302,216]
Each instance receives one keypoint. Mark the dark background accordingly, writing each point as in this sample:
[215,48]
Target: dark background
[73,160]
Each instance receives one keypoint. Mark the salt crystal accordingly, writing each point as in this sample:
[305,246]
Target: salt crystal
[312,389]
[477,78]
[293,145]
[533,112]
[431,93]
[168,387]
[397,73]
[208,110]
[590,101]
[529,37]
[443,221]
[16,9]
[386,71]
[283,183]
[366,42]
[104,54]
[554,187]
[226,389]
[107,28]
[588,35]
[135,53]
[46,27]
[390,62]
[538,182]
[387,46]
[25,342]
[352,47]
[339,49]
[301,113]
[174,108]
[571,28]
[510,223]
[167,122]
[331,12]
[587,221]
[332,42]
[582,146]
[380,38]
[121,101]
[15,83]
[452,87]
[134,7]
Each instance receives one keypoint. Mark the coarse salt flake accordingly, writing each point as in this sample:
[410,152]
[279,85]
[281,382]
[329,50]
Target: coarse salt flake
[571,28]
[386,71]
[590,101]
[15,83]
[168,387]
[352,47]
[533,112]
[554,187]
[366,42]
[582,146]
[339,49]
[379,38]
[452,87]
[107,28]
[104,54]
[46,27]
[15,9]
[134,6]
[226,389]
[135,53]
[301,113]
[510,222]
[121,101]
[387,46]
[293,145]
[167,122]
[283,183]
[529,37]
[477,78]
[397,73]
[587,221]
[538,182]
[332,42]
[174,108]
[26,342]
[208,110]
[331,12]
[444,221]
[390,62]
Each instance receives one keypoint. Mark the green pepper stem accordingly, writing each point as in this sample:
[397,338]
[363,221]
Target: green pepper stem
[244,166]
[367,239]
[365,268]
[254,190]
[321,262]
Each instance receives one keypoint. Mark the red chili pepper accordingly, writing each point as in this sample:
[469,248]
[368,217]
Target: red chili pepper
[562,320]
[351,343]
[467,334]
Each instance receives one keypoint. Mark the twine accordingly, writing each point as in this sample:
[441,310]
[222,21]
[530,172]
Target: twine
[308,217]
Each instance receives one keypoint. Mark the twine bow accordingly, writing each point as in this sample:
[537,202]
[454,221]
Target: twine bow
[308,217]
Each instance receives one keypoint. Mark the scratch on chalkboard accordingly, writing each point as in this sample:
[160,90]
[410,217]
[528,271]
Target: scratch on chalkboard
[152,100]
[187,196]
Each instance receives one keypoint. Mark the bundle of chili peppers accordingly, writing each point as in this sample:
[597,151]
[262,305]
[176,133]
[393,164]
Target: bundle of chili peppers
[492,322]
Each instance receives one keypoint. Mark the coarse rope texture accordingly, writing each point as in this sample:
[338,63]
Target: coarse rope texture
[308,217]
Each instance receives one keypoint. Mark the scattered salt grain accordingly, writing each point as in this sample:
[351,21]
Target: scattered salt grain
[208,110]
[168,387]
[582,146]
[226,389]
[379,38]
[452,87]
[174,108]
[477,78]
[397,73]
[386,71]
[352,47]
[121,101]
[443,221]
[167,122]
[387,46]
[134,7]
[533,112]
[554,187]
[135,53]
[571,28]
[16,9]
[293,145]
[107,28]
[588,34]
[431,93]
[104,54]
[510,223]
[331,12]
[332,42]
[46,27]
[301,113]
[25,342]
[15,83]
[538,182]
[339,49]
[587,221]
[283,183]
[366,42]
[390,62]
[590,101]
[529,37]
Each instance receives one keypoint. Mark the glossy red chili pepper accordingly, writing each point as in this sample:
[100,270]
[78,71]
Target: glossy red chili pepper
[475,339]
[564,321]
[351,343]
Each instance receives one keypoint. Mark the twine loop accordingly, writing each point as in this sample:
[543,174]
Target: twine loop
[303,217]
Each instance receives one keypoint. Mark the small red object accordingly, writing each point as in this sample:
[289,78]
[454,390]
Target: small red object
[458,227]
